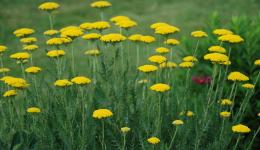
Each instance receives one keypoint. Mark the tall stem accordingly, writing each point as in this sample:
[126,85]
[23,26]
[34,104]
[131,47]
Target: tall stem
[173,138]
[238,139]
[51,21]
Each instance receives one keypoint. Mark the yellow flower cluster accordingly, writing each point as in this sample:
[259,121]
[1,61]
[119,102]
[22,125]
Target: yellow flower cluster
[81,80]
[177,122]
[33,110]
[56,53]
[30,47]
[222,32]
[2,70]
[91,36]
[226,102]
[240,128]
[49,6]
[100,25]
[237,76]
[160,87]
[147,39]
[190,59]
[248,86]
[224,114]
[186,64]
[63,83]
[168,64]
[2,48]
[164,29]
[126,23]
[147,68]
[58,41]
[23,32]
[217,49]
[102,113]
[119,18]
[112,38]
[135,37]
[93,52]
[100,4]
[153,140]
[157,59]
[162,50]
[172,42]
[28,40]
[51,32]
[10,93]
[231,38]
[257,62]
[216,57]
[15,82]
[71,32]
[33,69]
[20,56]
[199,34]
[125,129]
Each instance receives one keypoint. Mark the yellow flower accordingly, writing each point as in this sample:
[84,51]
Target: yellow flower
[157,59]
[248,86]
[63,83]
[147,68]
[172,42]
[15,82]
[237,76]
[224,114]
[153,140]
[86,26]
[119,18]
[28,40]
[125,129]
[100,25]
[162,50]
[126,24]
[49,6]
[102,113]
[2,48]
[222,32]
[30,47]
[190,59]
[257,62]
[135,37]
[112,38]
[168,64]
[158,24]
[147,39]
[216,57]
[91,36]
[199,34]
[10,93]
[226,102]
[240,128]
[20,56]
[55,53]
[186,64]
[217,49]
[189,114]
[231,38]
[58,41]
[2,70]
[23,32]
[33,110]
[258,114]
[51,32]
[143,81]
[160,87]
[177,122]
[81,80]
[33,69]
[166,30]
[100,4]
[93,52]
[71,32]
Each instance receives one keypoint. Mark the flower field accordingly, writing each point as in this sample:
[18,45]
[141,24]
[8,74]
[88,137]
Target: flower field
[103,85]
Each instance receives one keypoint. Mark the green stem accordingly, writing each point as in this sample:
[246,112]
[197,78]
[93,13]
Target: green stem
[51,21]
[238,139]
[251,142]
[173,138]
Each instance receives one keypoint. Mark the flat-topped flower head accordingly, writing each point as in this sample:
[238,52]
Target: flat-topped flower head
[162,50]
[172,42]
[160,87]
[63,83]
[135,37]
[100,25]
[23,32]
[166,30]
[71,32]
[231,38]
[33,110]
[102,113]
[177,122]
[158,24]
[56,53]
[189,114]
[49,6]
[86,26]
[15,82]
[81,80]
[186,64]
[58,41]
[100,4]
[199,34]
[147,39]
[30,47]
[257,62]
[240,128]
[226,102]
[168,64]
[51,32]
[112,38]
[125,129]
[222,32]
[2,48]
[153,140]
[93,52]
[147,68]
[119,18]
[157,59]
[4,70]
[33,70]
[248,86]
[216,48]
[91,36]
[20,56]
[225,114]
[237,76]
[28,40]
[10,93]
[189,59]
[126,24]
[216,57]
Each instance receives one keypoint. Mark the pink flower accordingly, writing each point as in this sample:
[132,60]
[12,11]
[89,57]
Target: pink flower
[201,79]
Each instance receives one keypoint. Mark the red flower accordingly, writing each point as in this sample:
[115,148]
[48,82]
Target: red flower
[201,79]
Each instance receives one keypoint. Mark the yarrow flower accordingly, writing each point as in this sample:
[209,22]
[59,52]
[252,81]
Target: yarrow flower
[100,4]
[28,40]
[153,140]
[240,128]
[63,83]
[93,52]
[2,48]
[231,38]
[177,122]
[166,30]
[237,76]
[217,49]
[157,59]
[222,32]
[30,47]
[102,113]
[125,129]
[20,56]
[112,38]
[160,87]
[23,32]
[224,114]
[126,24]
[147,68]
[186,64]
[158,24]
[248,86]
[162,50]
[58,41]
[147,39]
[15,82]
[56,53]
[172,42]
[33,69]
[81,80]
[10,93]
[100,25]
[49,6]
[226,102]
[3,70]
[71,32]
[33,110]
[216,57]
[190,59]
[199,34]
[119,18]
[91,36]
[135,37]
[51,32]
[168,64]
[257,62]
[189,114]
